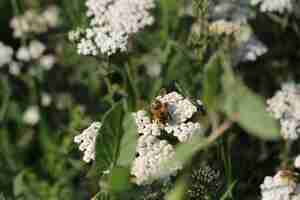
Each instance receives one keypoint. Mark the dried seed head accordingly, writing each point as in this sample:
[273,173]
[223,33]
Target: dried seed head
[205,183]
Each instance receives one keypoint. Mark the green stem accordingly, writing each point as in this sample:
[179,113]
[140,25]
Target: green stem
[6,99]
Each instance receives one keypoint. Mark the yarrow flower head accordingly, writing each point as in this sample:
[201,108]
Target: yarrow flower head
[282,186]
[87,141]
[112,22]
[173,115]
[34,22]
[153,154]
[285,106]
[274,6]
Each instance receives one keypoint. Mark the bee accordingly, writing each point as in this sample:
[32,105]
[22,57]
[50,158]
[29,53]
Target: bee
[160,112]
[288,176]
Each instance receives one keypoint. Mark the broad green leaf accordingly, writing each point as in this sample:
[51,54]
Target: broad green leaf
[19,186]
[109,138]
[212,82]
[119,180]
[248,109]
[178,192]
[185,151]
[128,142]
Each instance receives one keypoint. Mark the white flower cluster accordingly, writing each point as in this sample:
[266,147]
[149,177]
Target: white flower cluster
[181,110]
[32,115]
[152,157]
[6,54]
[274,5]
[87,141]
[280,187]
[33,22]
[112,22]
[285,106]
[34,52]
[152,151]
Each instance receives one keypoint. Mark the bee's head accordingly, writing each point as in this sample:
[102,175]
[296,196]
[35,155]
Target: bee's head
[156,104]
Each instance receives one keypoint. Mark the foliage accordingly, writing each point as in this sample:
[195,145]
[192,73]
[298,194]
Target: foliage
[41,161]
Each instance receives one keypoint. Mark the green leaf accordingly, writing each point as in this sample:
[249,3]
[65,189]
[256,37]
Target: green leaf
[119,180]
[5,97]
[131,91]
[128,142]
[109,138]
[228,193]
[185,151]
[19,186]
[248,109]
[178,192]
[101,196]
[2,197]
[212,82]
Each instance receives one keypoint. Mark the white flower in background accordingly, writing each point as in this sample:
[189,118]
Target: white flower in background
[112,22]
[280,187]
[297,162]
[154,69]
[15,68]
[285,106]
[6,53]
[74,35]
[47,61]
[249,47]
[34,22]
[235,11]
[87,47]
[32,115]
[251,50]
[87,141]
[152,155]
[36,49]
[30,22]
[23,54]
[51,15]
[46,99]
[274,5]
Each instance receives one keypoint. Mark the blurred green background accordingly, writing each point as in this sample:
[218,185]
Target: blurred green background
[41,161]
